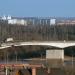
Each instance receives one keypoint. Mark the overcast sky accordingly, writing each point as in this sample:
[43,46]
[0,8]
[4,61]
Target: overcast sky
[42,8]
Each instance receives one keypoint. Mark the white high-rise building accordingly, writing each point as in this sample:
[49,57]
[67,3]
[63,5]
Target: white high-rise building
[52,21]
[8,17]
[4,17]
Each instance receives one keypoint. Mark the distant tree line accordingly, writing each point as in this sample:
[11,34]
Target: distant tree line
[37,32]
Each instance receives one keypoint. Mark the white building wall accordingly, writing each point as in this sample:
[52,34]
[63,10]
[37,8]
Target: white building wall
[22,22]
[12,21]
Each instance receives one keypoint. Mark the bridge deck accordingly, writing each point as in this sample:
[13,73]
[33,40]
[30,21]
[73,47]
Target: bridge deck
[59,44]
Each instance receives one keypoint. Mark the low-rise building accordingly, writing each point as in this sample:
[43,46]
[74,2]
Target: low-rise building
[17,21]
[9,40]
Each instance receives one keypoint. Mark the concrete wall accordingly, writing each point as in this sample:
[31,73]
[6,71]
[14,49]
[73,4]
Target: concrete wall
[55,54]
